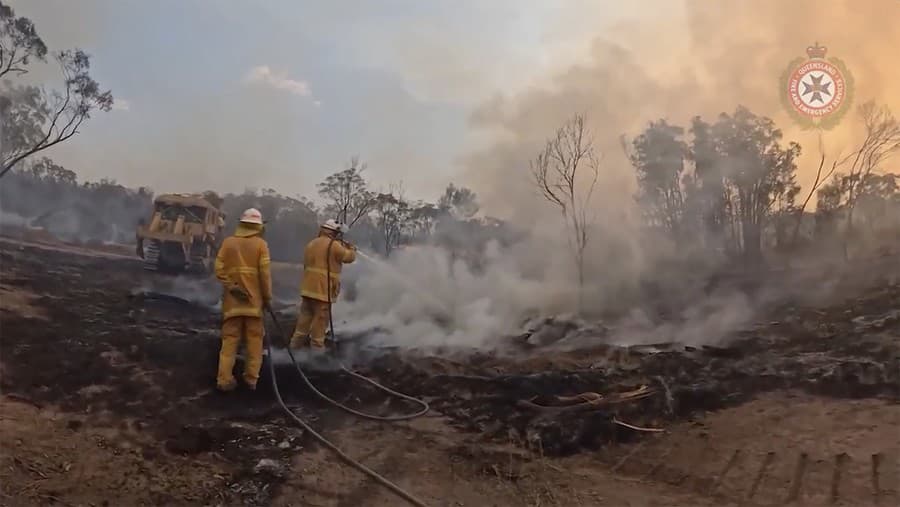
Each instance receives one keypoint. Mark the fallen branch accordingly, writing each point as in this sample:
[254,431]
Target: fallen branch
[637,428]
[586,401]
[589,397]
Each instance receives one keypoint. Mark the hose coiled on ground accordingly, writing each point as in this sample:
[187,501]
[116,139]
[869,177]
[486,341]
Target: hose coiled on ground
[397,490]
[403,417]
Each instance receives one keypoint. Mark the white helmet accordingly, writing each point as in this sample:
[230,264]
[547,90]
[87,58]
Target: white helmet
[334,225]
[251,216]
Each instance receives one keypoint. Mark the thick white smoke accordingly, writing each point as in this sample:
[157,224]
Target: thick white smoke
[422,297]
[717,57]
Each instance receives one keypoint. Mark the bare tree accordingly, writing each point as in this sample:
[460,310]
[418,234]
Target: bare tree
[54,116]
[822,178]
[881,141]
[347,193]
[566,173]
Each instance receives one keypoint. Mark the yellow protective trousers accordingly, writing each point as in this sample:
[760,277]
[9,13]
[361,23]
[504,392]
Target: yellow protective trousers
[233,328]
[313,322]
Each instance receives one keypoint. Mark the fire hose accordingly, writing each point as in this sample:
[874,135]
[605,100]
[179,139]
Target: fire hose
[397,490]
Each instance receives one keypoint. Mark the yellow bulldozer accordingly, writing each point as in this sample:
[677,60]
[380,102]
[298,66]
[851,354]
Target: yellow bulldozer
[183,235]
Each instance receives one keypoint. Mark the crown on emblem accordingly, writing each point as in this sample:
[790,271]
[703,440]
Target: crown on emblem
[816,51]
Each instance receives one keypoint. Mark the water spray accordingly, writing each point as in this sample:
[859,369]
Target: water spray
[436,306]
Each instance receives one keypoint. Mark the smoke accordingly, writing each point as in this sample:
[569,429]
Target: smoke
[707,60]
[423,297]
[13,220]
[101,212]
[701,58]
[202,292]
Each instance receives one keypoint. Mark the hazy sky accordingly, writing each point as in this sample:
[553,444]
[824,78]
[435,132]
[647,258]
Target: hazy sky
[232,94]
[229,94]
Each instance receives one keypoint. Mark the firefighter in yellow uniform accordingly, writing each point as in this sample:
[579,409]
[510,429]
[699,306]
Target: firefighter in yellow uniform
[242,265]
[323,255]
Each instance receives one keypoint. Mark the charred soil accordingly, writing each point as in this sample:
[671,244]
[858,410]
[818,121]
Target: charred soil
[108,397]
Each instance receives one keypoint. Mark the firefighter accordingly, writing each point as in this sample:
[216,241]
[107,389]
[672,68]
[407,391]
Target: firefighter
[242,265]
[324,255]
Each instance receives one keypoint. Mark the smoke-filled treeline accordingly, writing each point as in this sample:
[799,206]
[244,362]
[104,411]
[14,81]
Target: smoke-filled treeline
[721,189]
[726,186]
[730,185]
[44,194]
[715,201]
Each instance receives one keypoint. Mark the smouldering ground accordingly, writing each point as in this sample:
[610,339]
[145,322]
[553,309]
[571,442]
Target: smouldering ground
[108,397]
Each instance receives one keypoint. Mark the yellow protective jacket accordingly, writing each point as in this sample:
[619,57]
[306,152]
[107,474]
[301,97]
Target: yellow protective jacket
[316,267]
[243,260]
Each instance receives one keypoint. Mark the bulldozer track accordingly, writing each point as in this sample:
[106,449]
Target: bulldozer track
[777,478]
[198,264]
[151,256]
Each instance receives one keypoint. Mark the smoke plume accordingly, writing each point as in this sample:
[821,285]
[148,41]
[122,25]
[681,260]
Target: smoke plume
[713,58]
[717,56]
[700,58]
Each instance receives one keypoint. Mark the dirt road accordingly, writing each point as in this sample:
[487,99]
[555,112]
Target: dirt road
[108,400]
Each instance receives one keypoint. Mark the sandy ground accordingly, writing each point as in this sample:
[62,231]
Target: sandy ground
[108,400]
[781,448]
[50,456]
[444,468]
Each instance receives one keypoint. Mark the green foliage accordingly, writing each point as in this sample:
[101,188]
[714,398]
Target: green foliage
[391,214]
[658,157]
[461,202]
[874,192]
[32,119]
[25,115]
[290,221]
[19,42]
[741,178]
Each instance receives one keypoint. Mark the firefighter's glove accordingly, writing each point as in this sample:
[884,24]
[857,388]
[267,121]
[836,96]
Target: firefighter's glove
[239,293]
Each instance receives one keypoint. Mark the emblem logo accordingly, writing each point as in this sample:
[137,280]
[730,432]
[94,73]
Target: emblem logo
[816,91]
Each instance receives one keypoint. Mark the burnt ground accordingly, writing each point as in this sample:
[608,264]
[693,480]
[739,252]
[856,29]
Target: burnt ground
[108,399]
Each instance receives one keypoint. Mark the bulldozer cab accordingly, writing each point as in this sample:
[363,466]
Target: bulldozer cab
[193,214]
[185,214]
